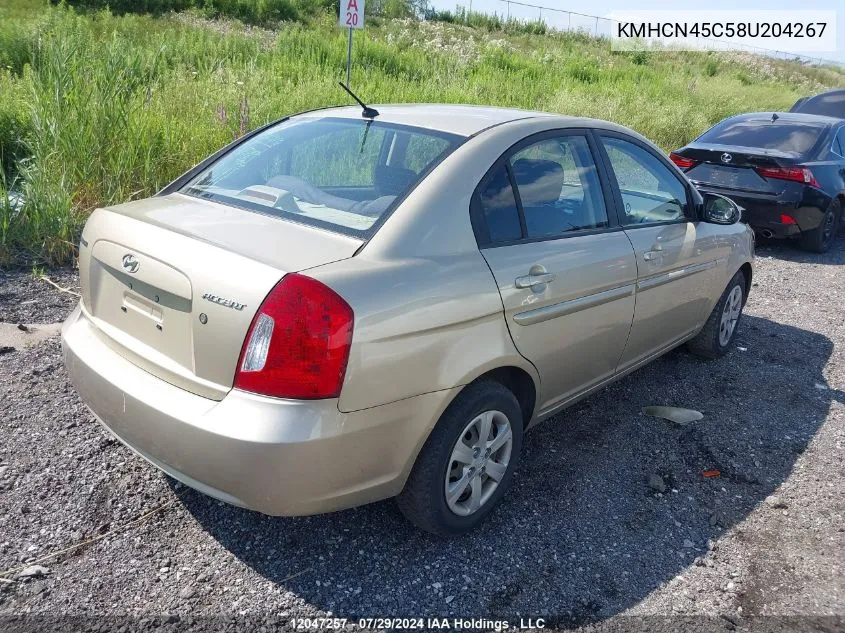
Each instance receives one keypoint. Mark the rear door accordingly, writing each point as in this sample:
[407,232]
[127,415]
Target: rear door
[676,257]
[565,271]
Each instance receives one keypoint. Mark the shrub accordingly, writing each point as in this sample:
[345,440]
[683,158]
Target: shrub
[15,47]
[259,12]
[639,58]
[711,68]
[252,11]
[583,72]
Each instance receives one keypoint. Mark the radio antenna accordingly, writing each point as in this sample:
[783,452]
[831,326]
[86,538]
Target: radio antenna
[367,111]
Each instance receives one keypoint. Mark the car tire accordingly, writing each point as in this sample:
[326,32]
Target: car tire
[820,239]
[841,204]
[714,340]
[424,501]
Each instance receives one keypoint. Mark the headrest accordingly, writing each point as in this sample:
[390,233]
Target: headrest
[392,181]
[540,181]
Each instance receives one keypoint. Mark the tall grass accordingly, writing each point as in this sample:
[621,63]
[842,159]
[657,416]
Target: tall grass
[98,109]
[260,12]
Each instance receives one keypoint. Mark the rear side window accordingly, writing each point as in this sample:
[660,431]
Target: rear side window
[784,136]
[559,187]
[499,206]
[557,192]
[339,174]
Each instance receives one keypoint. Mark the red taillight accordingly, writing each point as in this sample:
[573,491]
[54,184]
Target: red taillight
[682,161]
[787,219]
[298,343]
[796,174]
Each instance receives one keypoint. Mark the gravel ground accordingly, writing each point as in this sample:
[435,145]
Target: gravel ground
[585,535]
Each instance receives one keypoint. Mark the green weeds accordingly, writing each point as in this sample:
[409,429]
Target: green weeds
[97,108]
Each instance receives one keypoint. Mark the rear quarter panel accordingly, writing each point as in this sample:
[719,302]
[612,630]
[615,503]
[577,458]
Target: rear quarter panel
[421,325]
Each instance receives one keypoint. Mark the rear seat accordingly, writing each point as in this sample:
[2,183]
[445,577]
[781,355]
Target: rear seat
[540,183]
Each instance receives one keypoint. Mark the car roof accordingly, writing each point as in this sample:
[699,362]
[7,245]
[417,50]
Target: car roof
[464,120]
[834,91]
[793,117]
[826,101]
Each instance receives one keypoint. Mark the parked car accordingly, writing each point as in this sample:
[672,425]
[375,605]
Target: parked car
[338,309]
[830,103]
[786,170]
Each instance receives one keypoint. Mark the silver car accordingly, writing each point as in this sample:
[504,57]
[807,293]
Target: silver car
[344,307]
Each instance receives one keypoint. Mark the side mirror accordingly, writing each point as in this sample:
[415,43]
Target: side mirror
[720,210]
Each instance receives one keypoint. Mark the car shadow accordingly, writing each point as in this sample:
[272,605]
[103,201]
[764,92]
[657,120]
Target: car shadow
[789,250]
[582,535]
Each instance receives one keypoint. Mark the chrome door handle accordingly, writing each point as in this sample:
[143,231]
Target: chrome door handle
[529,281]
[650,256]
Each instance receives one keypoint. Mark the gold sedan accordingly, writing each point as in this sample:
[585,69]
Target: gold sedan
[340,308]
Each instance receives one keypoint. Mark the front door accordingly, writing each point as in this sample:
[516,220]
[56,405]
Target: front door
[676,260]
[565,272]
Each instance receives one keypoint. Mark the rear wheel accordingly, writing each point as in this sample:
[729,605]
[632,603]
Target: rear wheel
[819,239]
[841,204]
[716,335]
[467,463]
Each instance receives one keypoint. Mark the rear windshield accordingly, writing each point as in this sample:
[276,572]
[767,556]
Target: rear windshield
[783,136]
[828,104]
[339,174]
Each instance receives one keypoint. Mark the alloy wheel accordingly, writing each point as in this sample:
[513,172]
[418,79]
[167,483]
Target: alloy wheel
[827,229]
[730,315]
[478,462]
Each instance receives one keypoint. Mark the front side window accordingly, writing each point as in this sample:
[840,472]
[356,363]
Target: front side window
[650,191]
[339,174]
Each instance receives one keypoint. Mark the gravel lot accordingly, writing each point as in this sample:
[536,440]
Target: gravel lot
[582,536]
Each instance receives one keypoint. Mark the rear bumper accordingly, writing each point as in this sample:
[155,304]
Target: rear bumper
[763,211]
[279,457]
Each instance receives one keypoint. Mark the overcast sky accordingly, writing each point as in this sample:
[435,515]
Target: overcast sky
[604,7]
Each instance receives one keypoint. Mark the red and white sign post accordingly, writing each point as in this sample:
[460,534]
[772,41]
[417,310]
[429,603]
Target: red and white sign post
[351,17]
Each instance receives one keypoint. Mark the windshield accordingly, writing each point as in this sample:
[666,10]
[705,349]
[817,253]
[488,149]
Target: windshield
[339,174]
[783,136]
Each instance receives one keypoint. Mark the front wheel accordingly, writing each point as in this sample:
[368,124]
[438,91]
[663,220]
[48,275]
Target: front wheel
[467,463]
[716,335]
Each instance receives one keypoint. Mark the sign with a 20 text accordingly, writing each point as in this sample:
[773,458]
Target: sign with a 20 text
[352,14]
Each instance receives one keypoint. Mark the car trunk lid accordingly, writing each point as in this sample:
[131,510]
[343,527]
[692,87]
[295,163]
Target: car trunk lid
[172,283]
[732,167]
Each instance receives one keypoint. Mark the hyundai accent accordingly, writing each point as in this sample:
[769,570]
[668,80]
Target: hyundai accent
[343,307]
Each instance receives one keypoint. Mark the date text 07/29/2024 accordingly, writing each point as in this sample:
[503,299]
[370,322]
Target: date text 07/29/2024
[424,624]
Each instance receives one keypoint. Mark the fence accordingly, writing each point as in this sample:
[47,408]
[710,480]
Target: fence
[564,20]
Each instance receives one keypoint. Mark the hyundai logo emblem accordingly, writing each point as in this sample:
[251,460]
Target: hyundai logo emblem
[130,263]
[726,158]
